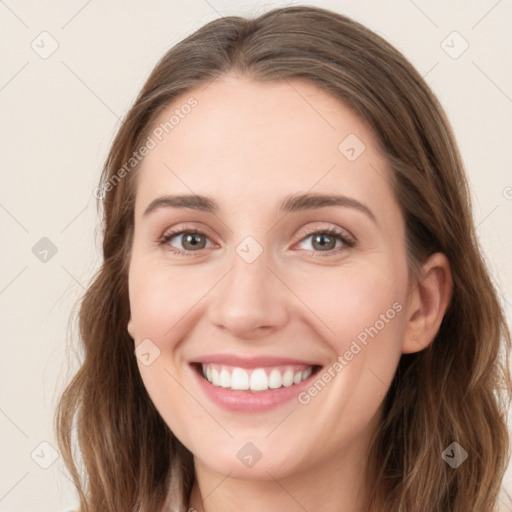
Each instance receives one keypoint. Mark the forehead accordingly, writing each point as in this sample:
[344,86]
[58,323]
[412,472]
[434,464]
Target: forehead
[250,143]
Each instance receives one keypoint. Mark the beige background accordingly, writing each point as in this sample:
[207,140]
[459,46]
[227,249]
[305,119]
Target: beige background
[58,117]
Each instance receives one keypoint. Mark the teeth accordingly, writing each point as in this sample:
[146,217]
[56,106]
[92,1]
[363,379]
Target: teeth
[287,378]
[215,377]
[258,379]
[239,379]
[225,378]
[275,380]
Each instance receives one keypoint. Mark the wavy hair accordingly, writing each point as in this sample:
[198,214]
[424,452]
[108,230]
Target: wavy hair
[457,389]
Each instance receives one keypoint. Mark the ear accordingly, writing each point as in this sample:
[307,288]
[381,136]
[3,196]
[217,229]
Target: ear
[131,330]
[427,303]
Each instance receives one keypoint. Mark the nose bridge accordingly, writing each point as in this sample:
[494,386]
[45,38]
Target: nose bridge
[250,297]
[250,263]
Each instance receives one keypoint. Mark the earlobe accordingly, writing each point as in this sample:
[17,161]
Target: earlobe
[428,302]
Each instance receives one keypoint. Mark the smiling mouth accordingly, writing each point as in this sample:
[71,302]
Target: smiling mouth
[254,380]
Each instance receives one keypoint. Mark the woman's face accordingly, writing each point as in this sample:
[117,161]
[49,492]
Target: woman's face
[292,291]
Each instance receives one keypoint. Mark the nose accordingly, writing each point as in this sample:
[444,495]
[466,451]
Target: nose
[251,301]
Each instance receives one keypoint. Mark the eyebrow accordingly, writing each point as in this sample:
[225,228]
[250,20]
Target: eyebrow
[292,203]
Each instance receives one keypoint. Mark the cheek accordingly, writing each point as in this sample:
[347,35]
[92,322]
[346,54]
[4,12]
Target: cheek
[162,307]
[161,299]
[361,310]
[165,303]
[355,304]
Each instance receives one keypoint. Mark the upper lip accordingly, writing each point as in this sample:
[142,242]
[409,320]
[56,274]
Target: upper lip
[250,362]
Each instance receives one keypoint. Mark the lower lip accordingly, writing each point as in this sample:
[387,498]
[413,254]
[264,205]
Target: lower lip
[248,401]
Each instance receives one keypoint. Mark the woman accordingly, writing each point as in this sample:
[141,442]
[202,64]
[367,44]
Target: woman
[292,310]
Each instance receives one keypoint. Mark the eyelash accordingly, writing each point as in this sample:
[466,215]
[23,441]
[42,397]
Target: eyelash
[347,241]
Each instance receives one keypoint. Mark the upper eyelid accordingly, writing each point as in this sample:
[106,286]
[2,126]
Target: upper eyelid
[309,231]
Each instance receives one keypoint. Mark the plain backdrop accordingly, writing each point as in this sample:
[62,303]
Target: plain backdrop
[69,72]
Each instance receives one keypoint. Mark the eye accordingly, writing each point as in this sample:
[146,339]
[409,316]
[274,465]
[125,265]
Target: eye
[325,240]
[192,240]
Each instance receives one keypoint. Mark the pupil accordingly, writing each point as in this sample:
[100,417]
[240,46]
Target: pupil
[322,242]
[192,240]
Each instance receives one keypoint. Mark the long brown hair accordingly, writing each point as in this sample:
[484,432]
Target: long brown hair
[456,390]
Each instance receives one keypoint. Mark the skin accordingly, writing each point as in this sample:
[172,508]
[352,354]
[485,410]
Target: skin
[248,145]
